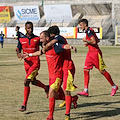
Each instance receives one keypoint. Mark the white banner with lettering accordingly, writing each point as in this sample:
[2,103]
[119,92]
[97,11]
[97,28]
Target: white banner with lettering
[27,13]
[58,13]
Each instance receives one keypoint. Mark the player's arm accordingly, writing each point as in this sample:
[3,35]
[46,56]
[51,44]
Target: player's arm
[92,40]
[67,46]
[49,45]
[19,48]
[61,47]
[37,53]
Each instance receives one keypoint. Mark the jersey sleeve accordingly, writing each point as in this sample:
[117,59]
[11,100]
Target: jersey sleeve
[90,33]
[60,39]
[58,47]
[19,46]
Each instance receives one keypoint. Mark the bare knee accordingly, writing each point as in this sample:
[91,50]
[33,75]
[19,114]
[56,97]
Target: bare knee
[27,82]
[102,71]
[67,93]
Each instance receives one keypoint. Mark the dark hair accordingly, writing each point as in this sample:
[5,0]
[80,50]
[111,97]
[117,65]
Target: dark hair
[46,33]
[18,27]
[54,30]
[84,21]
[29,22]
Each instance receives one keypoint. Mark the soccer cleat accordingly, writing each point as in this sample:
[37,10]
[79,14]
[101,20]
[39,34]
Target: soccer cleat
[49,118]
[83,93]
[62,104]
[114,91]
[75,101]
[47,91]
[67,117]
[23,108]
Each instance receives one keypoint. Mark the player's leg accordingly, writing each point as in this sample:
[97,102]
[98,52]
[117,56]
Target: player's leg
[51,103]
[26,94]
[68,104]
[68,86]
[1,44]
[109,78]
[40,84]
[33,72]
[86,83]
[88,65]
[30,75]
[53,94]
[101,67]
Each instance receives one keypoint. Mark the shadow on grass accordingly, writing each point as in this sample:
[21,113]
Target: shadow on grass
[44,111]
[97,114]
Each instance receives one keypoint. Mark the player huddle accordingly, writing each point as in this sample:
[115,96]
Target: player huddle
[60,65]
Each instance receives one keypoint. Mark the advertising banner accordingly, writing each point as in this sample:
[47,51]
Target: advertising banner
[27,13]
[67,32]
[58,13]
[4,14]
[82,34]
[38,30]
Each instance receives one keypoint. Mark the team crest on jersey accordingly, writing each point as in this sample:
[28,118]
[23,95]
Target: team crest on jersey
[35,40]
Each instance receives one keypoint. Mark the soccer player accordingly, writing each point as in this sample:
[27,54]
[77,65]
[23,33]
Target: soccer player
[2,39]
[18,34]
[68,69]
[55,67]
[30,44]
[93,58]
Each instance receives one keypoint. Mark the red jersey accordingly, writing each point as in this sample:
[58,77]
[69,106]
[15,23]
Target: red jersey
[30,45]
[66,54]
[54,61]
[90,33]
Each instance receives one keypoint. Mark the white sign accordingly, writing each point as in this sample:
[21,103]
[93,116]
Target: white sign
[38,30]
[82,35]
[11,31]
[58,13]
[1,29]
[27,13]
[67,32]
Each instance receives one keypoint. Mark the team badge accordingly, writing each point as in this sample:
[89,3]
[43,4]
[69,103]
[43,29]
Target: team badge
[35,40]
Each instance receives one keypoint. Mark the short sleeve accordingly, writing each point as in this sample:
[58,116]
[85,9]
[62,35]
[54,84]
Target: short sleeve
[90,33]
[58,47]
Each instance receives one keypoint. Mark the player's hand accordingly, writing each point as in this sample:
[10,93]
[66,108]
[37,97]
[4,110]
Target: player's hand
[20,56]
[75,49]
[26,55]
[84,39]
[85,44]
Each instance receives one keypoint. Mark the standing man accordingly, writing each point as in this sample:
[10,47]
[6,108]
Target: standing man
[2,39]
[30,44]
[68,69]
[18,34]
[93,58]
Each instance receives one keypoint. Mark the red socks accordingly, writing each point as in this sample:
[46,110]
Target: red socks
[68,104]
[26,95]
[51,106]
[86,78]
[108,77]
